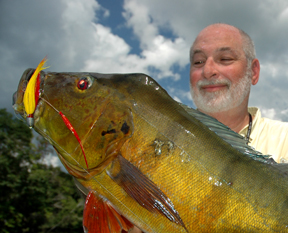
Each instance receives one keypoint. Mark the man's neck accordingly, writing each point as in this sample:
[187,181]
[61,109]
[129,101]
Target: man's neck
[234,119]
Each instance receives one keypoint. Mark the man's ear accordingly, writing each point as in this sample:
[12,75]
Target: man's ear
[255,67]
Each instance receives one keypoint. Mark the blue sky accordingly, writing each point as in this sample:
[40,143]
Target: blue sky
[144,36]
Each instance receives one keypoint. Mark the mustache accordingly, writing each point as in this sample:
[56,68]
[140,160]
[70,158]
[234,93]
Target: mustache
[202,83]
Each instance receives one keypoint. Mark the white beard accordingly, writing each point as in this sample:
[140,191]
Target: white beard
[220,101]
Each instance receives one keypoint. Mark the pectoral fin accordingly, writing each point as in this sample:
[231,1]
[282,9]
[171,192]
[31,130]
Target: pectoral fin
[100,216]
[142,190]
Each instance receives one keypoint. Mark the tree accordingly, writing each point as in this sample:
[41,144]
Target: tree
[34,197]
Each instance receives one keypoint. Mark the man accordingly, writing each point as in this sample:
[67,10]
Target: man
[223,68]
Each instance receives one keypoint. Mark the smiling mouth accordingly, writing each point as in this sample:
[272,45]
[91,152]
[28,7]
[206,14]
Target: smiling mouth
[213,88]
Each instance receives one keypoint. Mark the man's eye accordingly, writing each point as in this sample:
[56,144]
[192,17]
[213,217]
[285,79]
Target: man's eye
[226,59]
[198,62]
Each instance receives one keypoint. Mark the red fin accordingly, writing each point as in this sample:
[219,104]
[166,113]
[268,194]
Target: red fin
[143,190]
[100,216]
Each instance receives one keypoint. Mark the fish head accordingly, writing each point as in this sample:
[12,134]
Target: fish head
[93,108]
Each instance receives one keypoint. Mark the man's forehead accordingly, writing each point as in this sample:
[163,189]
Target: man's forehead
[219,49]
[218,38]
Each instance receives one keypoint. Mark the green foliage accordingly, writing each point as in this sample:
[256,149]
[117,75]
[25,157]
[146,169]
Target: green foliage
[33,197]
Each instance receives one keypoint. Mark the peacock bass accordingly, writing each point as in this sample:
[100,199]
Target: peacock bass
[144,159]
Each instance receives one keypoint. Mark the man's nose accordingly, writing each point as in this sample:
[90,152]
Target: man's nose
[209,69]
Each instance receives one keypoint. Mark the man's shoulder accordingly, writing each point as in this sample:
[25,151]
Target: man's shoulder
[267,122]
[266,125]
[270,137]
[273,125]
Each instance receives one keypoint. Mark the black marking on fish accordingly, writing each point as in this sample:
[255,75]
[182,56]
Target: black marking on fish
[108,132]
[125,128]
[143,190]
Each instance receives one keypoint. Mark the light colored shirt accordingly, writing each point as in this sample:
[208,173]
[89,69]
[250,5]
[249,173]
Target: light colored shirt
[270,137]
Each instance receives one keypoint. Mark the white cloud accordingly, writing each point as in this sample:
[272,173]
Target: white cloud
[180,95]
[177,99]
[110,53]
[78,14]
[269,113]
[51,159]
[137,16]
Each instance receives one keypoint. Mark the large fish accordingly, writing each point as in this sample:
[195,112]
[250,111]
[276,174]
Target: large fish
[151,161]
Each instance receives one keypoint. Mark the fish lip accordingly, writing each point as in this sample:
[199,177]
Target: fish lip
[17,99]
[14,97]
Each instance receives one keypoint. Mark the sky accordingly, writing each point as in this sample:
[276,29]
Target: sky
[142,36]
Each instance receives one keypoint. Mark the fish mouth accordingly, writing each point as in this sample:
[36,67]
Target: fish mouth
[17,100]
[18,96]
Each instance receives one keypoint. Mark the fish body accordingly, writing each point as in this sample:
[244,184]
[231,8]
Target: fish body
[157,164]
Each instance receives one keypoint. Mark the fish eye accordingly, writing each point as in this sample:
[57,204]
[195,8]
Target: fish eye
[84,83]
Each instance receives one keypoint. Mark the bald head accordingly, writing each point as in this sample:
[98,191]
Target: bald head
[223,30]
